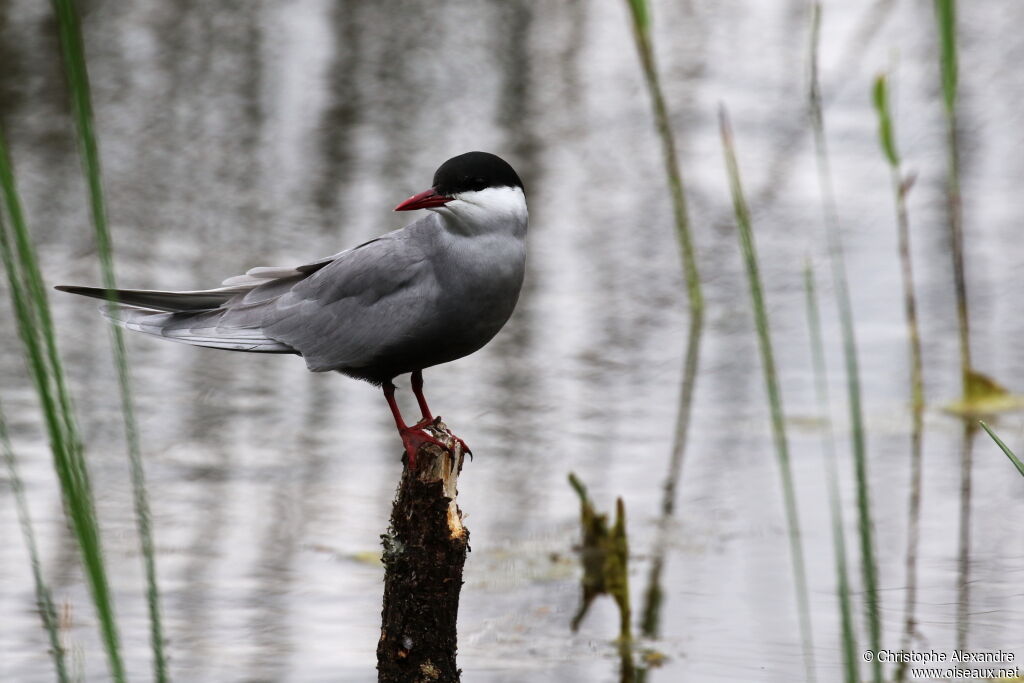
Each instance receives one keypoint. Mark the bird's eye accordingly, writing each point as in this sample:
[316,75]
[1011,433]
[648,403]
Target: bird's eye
[478,184]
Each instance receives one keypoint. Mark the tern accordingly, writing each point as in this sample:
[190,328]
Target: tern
[434,291]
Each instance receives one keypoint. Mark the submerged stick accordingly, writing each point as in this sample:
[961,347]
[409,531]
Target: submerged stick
[605,558]
[901,186]
[424,552]
[963,556]
[945,11]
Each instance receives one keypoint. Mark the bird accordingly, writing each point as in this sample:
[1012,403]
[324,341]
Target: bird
[432,292]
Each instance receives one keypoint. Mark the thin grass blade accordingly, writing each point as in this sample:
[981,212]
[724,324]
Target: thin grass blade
[869,566]
[641,14]
[848,631]
[945,11]
[880,97]
[78,79]
[749,250]
[1006,449]
[35,328]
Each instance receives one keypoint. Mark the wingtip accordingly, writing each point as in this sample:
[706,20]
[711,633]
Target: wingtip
[73,289]
[80,290]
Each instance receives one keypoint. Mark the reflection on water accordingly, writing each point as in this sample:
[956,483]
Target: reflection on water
[237,134]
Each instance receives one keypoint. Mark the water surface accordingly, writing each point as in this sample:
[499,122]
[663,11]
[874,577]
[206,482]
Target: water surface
[237,134]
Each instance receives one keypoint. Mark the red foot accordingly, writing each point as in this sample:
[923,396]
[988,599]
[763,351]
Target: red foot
[413,437]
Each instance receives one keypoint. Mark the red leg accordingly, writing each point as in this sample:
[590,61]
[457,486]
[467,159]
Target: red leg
[412,437]
[428,417]
[389,394]
[417,389]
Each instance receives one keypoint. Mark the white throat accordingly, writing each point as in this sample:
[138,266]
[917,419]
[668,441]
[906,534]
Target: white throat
[494,209]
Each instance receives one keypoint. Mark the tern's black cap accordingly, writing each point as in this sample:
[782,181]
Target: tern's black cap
[474,171]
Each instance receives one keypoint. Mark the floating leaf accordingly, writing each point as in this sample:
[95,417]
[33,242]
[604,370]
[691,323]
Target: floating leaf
[985,396]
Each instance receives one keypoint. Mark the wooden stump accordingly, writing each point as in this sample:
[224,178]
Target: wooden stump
[424,553]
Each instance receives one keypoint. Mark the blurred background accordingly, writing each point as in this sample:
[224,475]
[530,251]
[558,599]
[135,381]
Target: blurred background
[236,134]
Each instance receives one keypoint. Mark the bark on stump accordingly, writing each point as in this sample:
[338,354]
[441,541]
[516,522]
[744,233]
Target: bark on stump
[424,553]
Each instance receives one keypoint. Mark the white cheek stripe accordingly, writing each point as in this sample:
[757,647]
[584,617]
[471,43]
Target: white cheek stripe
[493,203]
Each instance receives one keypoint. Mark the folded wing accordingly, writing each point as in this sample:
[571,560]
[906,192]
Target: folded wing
[362,307]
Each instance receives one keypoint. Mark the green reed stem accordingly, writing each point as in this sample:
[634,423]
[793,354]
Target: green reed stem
[772,386]
[1006,449]
[945,13]
[848,633]
[872,600]
[640,15]
[44,599]
[78,79]
[642,36]
[650,619]
[900,188]
[28,297]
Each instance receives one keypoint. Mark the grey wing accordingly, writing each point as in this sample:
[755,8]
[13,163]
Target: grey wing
[359,307]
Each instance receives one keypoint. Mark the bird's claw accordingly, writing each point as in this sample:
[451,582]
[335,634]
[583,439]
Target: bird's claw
[465,446]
